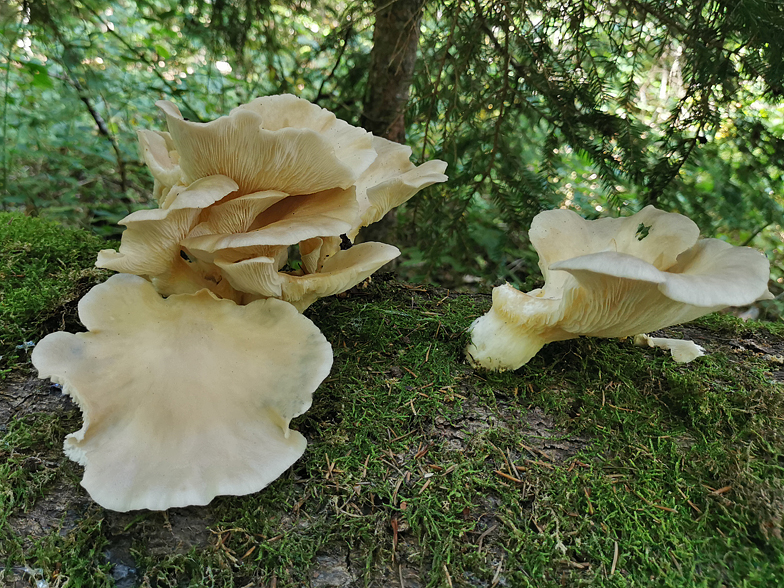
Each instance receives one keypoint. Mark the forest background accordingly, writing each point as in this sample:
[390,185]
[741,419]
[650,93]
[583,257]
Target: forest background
[601,107]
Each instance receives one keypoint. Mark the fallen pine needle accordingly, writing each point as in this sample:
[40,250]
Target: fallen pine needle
[615,559]
[588,498]
[508,477]
[247,553]
[539,463]
[649,503]
[497,574]
[448,577]
[621,408]
[689,502]
[483,535]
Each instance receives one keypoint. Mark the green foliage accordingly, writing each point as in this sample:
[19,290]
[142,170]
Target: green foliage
[597,106]
[600,107]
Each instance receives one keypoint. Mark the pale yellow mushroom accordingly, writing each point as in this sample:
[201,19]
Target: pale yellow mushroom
[253,149]
[202,193]
[682,350]
[343,270]
[287,222]
[236,193]
[390,181]
[151,241]
[161,157]
[614,278]
[184,398]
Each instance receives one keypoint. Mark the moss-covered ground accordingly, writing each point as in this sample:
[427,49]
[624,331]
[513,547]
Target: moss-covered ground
[42,266]
[597,464]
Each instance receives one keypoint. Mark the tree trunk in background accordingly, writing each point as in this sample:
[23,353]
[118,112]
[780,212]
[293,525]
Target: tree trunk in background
[392,61]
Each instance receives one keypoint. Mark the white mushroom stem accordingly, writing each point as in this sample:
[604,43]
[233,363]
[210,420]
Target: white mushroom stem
[514,330]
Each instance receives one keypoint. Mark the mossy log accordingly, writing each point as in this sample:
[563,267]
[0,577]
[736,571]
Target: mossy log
[598,463]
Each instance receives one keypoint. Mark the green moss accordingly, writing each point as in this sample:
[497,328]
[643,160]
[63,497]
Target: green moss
[43,266]
[534,477]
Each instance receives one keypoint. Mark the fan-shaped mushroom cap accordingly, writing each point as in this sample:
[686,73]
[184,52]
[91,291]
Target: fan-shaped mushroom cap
[202,193]
[237,215]
[344,270]
[158,433]
[151,242]
[618,295]
[252,147]
[607,284]
[161,157]
[291,220]
[650,235]
[390,181]
[349,143]
[257,276]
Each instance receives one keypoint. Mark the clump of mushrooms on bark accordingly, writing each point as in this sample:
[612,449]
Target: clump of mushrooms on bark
[197,355]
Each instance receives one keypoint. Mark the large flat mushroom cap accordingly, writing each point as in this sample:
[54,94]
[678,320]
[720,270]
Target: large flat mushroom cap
[253,149]
[184,398]
[390,181]
[651,235]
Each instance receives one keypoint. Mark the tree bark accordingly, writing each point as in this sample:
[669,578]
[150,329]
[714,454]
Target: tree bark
[392,62]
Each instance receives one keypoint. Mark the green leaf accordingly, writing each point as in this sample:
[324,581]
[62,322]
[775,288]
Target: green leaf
[162,52]
[40,74]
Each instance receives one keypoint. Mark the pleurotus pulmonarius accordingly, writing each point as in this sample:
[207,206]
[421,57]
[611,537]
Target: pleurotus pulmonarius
[183,398]
[274,173]
[614,277]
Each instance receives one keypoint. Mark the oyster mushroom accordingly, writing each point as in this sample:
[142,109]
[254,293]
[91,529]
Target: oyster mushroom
[614,278]
[184,398]
[244,188]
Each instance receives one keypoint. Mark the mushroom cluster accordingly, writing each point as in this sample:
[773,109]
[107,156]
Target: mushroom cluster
[193,366]
[615,277]
[237,193]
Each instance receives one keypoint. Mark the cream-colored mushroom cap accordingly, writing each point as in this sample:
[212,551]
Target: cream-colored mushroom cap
[287,222]
[151,241]
[341,271]
[615,278]
[390,181]
[161,157]
[184,398]
[278,143]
